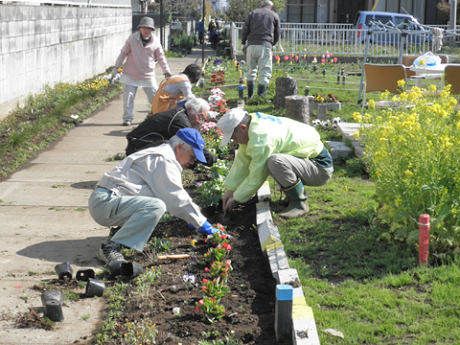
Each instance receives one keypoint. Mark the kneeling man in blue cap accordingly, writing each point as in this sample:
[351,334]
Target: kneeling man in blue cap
[136,194]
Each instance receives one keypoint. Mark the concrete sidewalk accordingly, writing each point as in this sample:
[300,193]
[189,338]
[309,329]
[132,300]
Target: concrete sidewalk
[45,220]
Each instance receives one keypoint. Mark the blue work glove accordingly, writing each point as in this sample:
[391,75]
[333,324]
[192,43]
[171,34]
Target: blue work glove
[208,229]
[181,103]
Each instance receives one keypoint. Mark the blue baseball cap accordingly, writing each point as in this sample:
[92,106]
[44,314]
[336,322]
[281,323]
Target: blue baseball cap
[193,137]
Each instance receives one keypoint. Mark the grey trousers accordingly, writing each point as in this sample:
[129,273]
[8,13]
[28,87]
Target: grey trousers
[259,57]
[287,169]
[129,94]
[137,215]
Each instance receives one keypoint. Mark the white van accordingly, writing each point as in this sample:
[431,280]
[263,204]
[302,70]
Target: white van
[363,23]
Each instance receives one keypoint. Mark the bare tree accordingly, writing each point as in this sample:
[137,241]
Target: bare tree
[238,10]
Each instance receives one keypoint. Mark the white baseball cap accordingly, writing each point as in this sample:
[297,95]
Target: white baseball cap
[228,123]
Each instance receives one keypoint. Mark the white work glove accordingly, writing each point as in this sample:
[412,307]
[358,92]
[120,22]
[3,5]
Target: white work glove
[114,74]
[245,47]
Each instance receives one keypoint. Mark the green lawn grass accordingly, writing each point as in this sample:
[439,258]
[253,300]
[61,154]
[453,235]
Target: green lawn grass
[372,290]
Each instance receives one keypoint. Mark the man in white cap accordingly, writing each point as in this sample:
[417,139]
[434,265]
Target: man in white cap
[141,51]
[290,151]
[260,33]
[138,191]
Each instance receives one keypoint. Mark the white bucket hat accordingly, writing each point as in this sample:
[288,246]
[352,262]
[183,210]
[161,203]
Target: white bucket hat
[228,123]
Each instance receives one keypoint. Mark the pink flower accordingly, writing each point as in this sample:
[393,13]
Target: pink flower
[205,280]
[206,269]
[323,60]
[286,58]
[335,59]
[203,288]
[201,302]
[296,58]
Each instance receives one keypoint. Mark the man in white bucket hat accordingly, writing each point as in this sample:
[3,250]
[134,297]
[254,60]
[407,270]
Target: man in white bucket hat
[141,50]
[290,151]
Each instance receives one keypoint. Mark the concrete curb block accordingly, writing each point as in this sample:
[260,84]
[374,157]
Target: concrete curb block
[304,330]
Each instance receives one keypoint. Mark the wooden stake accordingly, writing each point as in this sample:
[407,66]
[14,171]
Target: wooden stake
[173,256]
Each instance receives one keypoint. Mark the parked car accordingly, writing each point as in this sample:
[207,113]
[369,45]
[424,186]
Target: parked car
[176,25]
[379,36]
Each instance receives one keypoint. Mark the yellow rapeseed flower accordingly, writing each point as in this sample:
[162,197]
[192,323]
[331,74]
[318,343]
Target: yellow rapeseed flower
[371,104]
[401,83]
[356,134]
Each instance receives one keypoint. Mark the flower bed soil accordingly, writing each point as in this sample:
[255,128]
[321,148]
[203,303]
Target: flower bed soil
[249,307]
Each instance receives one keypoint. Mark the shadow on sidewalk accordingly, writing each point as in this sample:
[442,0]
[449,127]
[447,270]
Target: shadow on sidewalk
[76,252]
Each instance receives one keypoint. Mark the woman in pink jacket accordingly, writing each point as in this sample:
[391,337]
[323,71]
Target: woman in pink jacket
[141,51]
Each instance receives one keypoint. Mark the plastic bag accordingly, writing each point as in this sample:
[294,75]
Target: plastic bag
[427,59]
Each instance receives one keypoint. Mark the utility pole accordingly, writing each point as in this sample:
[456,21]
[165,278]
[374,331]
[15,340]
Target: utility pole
[202,49]
[453,19]
[162,24]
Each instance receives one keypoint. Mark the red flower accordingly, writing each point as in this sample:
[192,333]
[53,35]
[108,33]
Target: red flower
[206,269]
[203,288]
[201,302]
[205,280]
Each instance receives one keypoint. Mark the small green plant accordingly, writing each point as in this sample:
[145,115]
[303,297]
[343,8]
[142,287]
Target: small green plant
[216,288]
[210,192]
[70,295]
[86,317]
[149,277]
[140,332]
[160,244]
[211,309]
[33,273]
[218,253]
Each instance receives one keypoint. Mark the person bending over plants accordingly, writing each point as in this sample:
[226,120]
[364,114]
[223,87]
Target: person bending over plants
[290,151]
[165,124]
[136,194]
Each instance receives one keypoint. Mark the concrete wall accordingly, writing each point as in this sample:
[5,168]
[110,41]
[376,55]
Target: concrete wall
[42,45]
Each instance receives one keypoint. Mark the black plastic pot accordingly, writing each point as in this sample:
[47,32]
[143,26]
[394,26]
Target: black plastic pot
[64,270]
[131,269]
[115,268]
[53,311]
[94,288]
[52,296]
[84,275]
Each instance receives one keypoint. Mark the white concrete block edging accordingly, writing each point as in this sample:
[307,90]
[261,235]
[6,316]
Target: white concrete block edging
[303,322]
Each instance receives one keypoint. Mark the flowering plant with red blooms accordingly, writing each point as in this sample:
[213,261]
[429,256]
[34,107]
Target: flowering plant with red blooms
[220,106]
[210,308]
[218,78]
[220,269]
[216,288]
[219,237]
[218,253]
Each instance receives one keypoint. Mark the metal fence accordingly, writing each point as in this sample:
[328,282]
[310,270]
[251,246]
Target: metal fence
[341,40]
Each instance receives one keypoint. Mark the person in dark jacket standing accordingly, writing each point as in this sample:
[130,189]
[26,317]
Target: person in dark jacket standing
[156,129]
[261,31]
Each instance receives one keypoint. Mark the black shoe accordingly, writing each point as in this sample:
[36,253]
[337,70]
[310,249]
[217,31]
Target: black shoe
[110,251]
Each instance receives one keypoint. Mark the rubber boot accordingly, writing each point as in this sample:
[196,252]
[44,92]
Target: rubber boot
[261,90]
[298,205]
[250,89]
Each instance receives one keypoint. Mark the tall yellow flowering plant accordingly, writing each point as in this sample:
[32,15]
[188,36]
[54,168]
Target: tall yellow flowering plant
[413,156]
